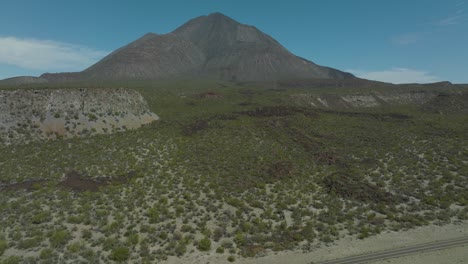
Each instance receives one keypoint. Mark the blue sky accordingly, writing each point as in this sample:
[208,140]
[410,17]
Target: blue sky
[396,41]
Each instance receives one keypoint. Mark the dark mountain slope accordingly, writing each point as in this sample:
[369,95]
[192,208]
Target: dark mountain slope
[150,57]
[211,47]
[242,52]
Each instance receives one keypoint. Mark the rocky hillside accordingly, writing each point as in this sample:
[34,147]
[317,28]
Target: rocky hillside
[208,47]
[51,113]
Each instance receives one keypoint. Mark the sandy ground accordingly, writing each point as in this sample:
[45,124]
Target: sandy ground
[451,255]
[352,246]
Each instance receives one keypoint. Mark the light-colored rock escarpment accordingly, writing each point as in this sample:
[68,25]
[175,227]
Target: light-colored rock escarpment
[363,100]
[51,113]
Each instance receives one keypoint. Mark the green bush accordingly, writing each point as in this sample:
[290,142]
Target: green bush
[133,239]
[75,247]
[220,250]
[153,215]
[239,238]
[231,259]
[29,243]
[86,234]
[59,238]
[180,249]
[204,244]
[40,218]
[120,254]
[46,253]
[163,236]
[364,233]
[3,246]
[12,260]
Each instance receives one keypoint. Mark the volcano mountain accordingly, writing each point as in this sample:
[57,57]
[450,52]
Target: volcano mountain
[207,47]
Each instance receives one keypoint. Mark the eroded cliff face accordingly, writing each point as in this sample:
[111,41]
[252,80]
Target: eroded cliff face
[52,113]
[374,99]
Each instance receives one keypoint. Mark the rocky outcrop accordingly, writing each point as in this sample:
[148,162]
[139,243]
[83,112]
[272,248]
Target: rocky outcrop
[360,100]
[31,114]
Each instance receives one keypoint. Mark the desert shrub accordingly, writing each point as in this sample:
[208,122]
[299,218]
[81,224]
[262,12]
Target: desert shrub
[180,249]
[153,215]
[218,234]
[239,238]
[109,243]
[75,247]
[179,210]
[177,236]
[365,232]
[59,238]
[326,238]
[89,254]
[186,228]
[231,258]
[12,260]
[207,232]
[120,254]
[227,243]
[29,243]
[133,239]
[204,244]
[3,246]
[220,250]
[352,186]
[235,203]
[46,253]
[163,236]
[86,234]
[308,231]
[41,217]
[75,219]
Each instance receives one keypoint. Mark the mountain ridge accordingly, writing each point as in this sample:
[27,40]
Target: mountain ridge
[213,46]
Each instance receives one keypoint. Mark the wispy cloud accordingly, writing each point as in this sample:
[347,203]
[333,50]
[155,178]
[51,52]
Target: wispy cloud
[406,39]
[455,18]
[452,20]
[46,55]
[397,75]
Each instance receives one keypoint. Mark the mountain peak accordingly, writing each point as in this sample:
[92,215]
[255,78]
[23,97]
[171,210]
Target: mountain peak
[218,14]
[220,17]
[212,46]
[217,33]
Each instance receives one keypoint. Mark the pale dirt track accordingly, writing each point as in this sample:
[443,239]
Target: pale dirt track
[439,245]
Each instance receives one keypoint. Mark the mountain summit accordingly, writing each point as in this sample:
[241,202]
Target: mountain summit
[213,46]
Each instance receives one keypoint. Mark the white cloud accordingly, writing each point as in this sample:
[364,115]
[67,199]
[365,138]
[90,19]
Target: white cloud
[46,55]
[456,18]
[452,20]
[406,39]
[397,75]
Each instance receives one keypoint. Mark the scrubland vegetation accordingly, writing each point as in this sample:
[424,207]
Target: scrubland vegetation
[236,170]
